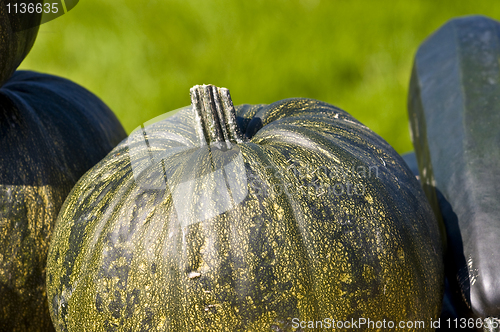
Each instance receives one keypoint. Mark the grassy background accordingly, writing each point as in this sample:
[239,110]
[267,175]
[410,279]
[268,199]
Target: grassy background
[141,57]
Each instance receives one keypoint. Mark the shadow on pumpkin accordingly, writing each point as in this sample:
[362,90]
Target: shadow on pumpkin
[456,304]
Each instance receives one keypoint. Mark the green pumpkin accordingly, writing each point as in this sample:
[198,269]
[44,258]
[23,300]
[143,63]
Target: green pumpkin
[253,218]
[16,39]
[51,132]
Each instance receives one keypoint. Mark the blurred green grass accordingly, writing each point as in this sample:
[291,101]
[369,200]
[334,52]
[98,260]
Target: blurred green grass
[141,57]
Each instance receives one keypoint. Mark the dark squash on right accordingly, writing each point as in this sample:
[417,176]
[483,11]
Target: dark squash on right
[454,110]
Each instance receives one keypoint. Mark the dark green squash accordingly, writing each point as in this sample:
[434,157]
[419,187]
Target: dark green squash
[51,132]
[15,40]
[454,113]
[234,219]
[449,310]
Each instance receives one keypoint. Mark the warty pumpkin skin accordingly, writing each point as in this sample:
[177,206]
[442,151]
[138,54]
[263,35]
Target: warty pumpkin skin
[15,40]
[51,132]
[210,220]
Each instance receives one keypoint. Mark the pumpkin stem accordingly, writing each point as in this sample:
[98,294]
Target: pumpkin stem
[215,116]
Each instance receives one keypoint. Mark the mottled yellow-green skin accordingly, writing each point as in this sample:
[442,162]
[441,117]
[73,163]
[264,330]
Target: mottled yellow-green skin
[27,218]
[121,261]
[51,132]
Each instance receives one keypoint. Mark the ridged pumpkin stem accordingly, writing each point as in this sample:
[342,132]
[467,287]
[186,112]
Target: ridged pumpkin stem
[215,116]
